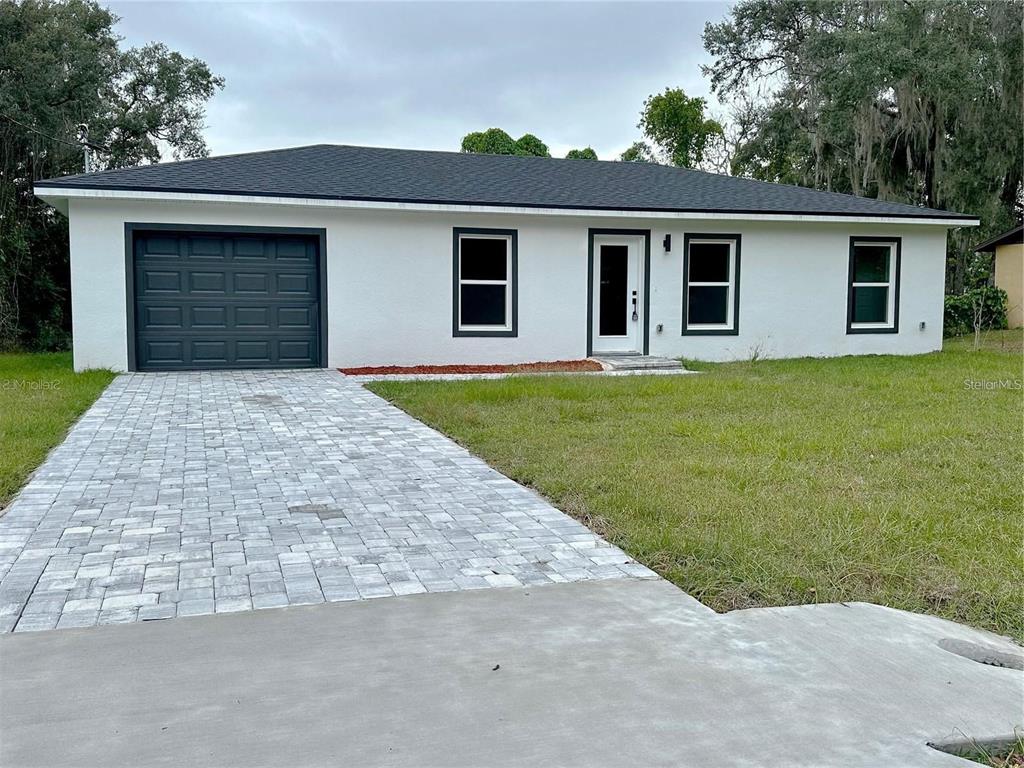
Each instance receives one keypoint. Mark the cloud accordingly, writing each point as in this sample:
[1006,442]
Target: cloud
[424,74]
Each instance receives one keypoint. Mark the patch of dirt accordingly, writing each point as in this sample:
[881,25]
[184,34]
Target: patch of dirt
[554,366]
[735,597]
[1011,760]
[575,506]
[1005,755]
[941,594]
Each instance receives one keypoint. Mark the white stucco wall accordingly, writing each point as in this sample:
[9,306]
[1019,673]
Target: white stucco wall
[389,277]
[793,293]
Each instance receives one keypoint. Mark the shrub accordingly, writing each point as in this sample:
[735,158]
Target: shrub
[960,310]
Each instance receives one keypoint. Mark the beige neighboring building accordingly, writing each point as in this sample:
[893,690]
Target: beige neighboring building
[1009,271]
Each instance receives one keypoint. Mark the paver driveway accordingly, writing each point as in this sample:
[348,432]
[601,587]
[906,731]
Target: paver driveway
[191,493]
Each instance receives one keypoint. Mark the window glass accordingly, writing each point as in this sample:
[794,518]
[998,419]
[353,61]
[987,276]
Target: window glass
[484,290]
[710,289]
[709,262]
[614,305]
[709,304]
[874,272]
[871,263]
[484,258]
[482,304]
[871,304]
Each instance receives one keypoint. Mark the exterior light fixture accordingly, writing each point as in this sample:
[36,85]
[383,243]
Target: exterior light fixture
[667,243]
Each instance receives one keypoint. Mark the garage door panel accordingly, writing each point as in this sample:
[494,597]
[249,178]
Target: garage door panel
[296,351]
[296,252]
[165,351]
[161,246]
[161,281]
[207,282]
[208,317]
[250,248]
[251,282]
[296,318]
[212,248]
[213,351]
[162,317]
[252,317]
[293,284]
[253,351]
[226,301]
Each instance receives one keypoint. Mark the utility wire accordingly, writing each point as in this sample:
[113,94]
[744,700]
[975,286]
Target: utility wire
[79,144]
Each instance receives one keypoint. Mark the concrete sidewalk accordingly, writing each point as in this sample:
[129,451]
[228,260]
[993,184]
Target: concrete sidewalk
[596,673]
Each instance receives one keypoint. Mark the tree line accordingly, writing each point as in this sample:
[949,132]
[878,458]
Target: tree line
[675,128]
[906,100]
[62,68]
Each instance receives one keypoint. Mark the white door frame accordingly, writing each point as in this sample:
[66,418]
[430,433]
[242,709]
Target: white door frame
[635,305]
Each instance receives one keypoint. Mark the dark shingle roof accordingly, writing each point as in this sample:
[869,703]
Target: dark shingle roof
[1015,235]
[413,176]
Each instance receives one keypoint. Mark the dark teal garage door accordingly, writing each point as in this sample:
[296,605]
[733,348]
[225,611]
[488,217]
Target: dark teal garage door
[224,300]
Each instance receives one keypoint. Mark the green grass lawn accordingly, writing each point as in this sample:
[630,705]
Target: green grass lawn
[40,397]
[993,341]
[1009,756]
[886,479]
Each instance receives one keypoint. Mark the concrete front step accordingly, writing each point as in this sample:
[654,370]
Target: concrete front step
[628,362]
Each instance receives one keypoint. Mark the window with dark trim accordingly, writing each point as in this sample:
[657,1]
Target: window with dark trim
[711,284]
[484,291]
[873,298]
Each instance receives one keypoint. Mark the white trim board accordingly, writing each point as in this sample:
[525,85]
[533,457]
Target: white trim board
[56,195]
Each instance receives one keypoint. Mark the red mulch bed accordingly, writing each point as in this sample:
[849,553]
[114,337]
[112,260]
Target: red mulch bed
[555,366]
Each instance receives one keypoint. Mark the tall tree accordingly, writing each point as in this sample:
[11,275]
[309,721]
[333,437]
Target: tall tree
[637,152]
[62,67]
[898,99]
[675,124]
[528,144]
[587,153]
[495,141]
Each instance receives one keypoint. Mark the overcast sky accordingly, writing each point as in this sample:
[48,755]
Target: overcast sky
[421,75]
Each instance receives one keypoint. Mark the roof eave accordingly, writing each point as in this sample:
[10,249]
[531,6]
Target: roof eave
[54,199]
[58,194]
[1015,235]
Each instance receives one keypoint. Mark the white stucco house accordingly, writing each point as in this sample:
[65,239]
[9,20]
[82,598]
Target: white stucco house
[348,256]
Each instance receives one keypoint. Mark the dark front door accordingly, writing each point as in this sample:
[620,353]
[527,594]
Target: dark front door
[223,300]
